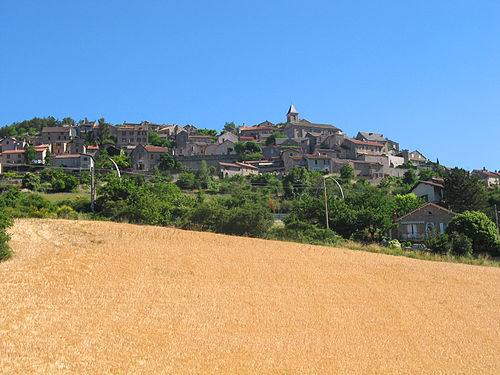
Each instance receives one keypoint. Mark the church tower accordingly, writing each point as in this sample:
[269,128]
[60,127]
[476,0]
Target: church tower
[292,115]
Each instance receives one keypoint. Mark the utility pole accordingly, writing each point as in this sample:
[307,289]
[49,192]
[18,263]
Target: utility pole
[326,204]
[496,216]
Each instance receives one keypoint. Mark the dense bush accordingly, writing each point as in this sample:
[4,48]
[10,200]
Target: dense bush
[31,181]
[59,181]
[460,244]
[478,227]
[300,231]
[439,244]
[5,222]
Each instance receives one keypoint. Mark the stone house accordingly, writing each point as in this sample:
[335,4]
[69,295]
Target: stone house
[225,148]
[415,157]
[10,143]
[59,147]
[13,157]
[227,136]
[377,137]
[146,157]
[52,134]
[425,221]
[130,135]
[354,148]
[292,157]
[77,146]
[318,163]
[489,178]
[233,169]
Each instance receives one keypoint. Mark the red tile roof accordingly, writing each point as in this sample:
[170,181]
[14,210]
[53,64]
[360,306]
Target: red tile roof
[13,152]
[248,138]
[156,149]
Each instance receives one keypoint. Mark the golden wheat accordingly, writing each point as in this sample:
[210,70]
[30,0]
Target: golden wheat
[106,298]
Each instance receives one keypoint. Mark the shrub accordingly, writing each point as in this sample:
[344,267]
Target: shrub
[300,231]
[186,181]
[5,222]
[460,244]
[66,212]
[438,244]
[31,181]
[478,227]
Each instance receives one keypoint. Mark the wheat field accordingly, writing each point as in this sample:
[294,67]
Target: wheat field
[105,298]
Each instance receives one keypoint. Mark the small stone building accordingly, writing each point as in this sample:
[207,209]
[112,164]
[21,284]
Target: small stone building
[425,221]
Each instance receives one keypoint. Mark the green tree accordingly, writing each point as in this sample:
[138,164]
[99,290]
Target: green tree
[166,162]
[478,227]
[103,131]
[463,191]
[186,181]
[229,127]
[203,178]
[410,177]
[426,174]
[31,181]
[29,154]
[155,140]
[347,172]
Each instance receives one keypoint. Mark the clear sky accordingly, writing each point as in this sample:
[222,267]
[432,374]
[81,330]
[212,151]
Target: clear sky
[423,73]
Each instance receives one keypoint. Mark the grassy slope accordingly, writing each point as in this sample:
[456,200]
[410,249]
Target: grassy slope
[95,297]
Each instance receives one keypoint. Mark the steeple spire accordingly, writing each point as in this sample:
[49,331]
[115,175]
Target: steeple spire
[292,115]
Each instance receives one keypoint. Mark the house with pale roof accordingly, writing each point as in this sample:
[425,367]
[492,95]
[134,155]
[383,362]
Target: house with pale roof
[233,169]
[430,190]
[10,143]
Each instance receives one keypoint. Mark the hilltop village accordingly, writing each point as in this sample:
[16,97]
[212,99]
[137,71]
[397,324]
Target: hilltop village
[244,150]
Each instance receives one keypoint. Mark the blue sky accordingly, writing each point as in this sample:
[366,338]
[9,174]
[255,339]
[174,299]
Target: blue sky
[424,73]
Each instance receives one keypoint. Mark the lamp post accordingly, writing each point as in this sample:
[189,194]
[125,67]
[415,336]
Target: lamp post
[329,176]
[92,179]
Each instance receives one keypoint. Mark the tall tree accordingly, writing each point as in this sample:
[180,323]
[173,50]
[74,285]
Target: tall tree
[463,191]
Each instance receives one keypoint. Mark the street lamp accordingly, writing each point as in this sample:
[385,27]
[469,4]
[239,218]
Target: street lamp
[325,177]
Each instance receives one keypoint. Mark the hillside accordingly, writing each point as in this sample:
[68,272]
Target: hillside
[97,298]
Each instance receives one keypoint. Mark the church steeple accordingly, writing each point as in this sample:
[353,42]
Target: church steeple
[292,115]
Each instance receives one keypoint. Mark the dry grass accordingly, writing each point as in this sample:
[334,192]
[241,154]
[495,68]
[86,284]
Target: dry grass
[98,298]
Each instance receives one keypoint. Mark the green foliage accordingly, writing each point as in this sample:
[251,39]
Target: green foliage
[439,244]
[463,191]
[460,244]
[254,156]
[5,222]
[66,212]
[155,140]
[135,201]
[404,203]
[34,125]
[347,172]
[235,215]
[29,154]
[478,227]
[300,231]
[186,181]
[229,127]
[410,177]
[210,132]
[203,178]
[31,181]
[425,174]
[59,181]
